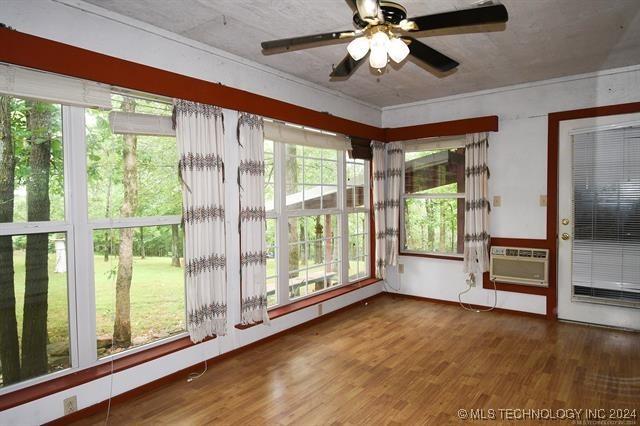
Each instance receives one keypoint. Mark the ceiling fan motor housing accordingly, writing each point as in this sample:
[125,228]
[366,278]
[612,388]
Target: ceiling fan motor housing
[393,14]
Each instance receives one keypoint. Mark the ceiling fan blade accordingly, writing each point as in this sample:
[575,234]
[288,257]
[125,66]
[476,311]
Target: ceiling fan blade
[459,18]
[346,67]
[286,43]
[430,56]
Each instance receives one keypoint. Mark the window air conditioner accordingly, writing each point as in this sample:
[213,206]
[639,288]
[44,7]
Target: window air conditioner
[514,265]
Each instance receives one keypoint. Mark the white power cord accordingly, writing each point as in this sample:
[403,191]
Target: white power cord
[471,279]
[194,376]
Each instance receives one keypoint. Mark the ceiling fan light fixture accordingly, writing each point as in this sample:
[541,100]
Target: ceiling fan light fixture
[379,46]
[358,48]
[398,50]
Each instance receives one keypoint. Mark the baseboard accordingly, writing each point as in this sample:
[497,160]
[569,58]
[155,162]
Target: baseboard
[453,302]
[182,374]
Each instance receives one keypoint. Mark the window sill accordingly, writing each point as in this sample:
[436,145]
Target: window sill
[79,377]
[432,255]
[313,300]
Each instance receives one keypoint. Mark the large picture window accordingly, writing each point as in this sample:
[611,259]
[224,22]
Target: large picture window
[433,202]
[320,211]
[112,223]
[134,207]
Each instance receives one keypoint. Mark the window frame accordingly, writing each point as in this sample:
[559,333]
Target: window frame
[282,214]
[79,229]
[404,196]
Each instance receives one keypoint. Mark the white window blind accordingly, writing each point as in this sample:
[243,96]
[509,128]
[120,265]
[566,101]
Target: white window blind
[606,203]
[140,124]
[432,144]
[26,83]
[299,135]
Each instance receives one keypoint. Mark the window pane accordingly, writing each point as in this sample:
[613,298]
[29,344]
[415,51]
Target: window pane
[434,172]
[272,262]
[313,253]
[31,165]
[358,245]
[355,183]
[434,225]
[269,176]
[139,273]
[34,311]
[149,184]
[311,178]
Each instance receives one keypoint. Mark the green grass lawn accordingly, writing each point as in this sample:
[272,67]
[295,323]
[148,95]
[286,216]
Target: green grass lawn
[157,299]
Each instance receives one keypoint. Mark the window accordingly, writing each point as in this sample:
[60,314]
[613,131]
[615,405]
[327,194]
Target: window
[433,202]
[316,194]
[134,207]
[110,223]
[34,284]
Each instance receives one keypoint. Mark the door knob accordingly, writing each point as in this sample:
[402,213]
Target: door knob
[565,221]
[565,236]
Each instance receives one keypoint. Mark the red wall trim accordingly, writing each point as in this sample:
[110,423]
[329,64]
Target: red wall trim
[444,128]
[47,55]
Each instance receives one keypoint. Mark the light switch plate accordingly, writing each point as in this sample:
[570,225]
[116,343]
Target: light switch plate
[401,268]
[543,201]
[497,201]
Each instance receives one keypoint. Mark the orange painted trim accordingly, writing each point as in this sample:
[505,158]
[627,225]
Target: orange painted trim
[47,55]
[444,128]
[59,384]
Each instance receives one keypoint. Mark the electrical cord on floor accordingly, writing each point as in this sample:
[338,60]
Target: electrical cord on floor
[194,376]
[471,279]
[106,420]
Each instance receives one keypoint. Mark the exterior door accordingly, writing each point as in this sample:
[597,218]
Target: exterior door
[599,221]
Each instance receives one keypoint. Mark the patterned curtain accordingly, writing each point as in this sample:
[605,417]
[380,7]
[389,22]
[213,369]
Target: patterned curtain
[253,255]
[200,137]
[387,175]
[379,211]
[395,160]
[477,207]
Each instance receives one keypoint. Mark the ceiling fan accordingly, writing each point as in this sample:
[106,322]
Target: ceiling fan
[382,31]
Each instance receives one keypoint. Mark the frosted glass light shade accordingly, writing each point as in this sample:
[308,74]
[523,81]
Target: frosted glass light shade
[358,48]
[378,58]
[379,44]
[398,50]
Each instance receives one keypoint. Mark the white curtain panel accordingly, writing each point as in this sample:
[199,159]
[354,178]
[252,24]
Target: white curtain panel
[379,211]
[200,137]
[387,174]
[477,207]
[395,160]
[253,254]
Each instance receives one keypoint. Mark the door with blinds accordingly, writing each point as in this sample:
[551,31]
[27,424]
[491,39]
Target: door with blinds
[599,221]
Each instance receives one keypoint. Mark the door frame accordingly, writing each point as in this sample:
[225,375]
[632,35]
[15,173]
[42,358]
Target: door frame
[553,139]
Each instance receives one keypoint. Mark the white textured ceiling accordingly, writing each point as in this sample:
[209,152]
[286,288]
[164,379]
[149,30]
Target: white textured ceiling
[543,39]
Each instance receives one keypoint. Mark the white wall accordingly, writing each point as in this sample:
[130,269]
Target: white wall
[518,165]
[84,25]
[51,407]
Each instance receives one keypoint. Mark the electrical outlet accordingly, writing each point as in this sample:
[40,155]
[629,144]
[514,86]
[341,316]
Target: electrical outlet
[401,268]
[497,201]
[543,201]
[319,309]
[70,405]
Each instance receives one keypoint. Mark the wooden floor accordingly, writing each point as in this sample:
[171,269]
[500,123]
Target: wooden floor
[403,361]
